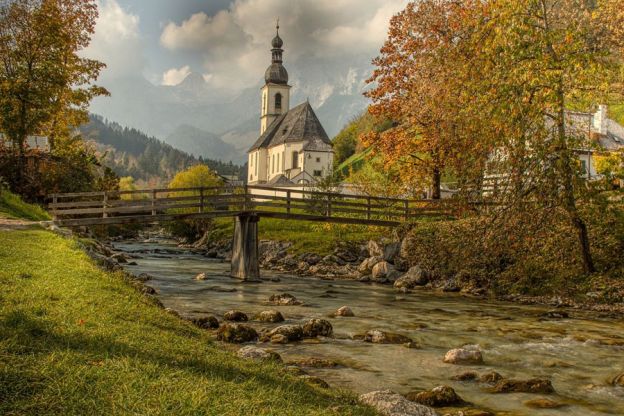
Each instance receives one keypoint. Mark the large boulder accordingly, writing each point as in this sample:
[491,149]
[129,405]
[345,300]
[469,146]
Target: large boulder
[206,322]
[389,403]
[284,299]
[463,356]
[344,311]
[375,249]
[391,252]
[534,385]
[317,327]
[291,332]
[255,353]
[382,270]
[441,396]
[269,316]
[236,333]
[235,316]
[366,267]
[415,276]
[376,336]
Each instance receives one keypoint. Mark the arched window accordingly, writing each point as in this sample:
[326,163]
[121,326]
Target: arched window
[278,101]
[295,160]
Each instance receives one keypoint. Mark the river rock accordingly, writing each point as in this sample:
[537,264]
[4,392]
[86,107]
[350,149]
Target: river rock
[143,277]
[316,381]
[310,258]
[375,249]
[235,316]
[348,256]
[120,258]
[291,332]
[543,403]
[441,396]
[317,327]
[284,299]
[534,385]
[366,267]
[492,377]
[206,322]
[279,339]
[382,270]
[200,276]
[466,376]
[618,380]
[391,251]
[270,316]
[463,356]
[376,336]
[415,276]
[236,333]
[555,314]
[389,403]
[255,353]
[344,311]
[294,370]
[314,362]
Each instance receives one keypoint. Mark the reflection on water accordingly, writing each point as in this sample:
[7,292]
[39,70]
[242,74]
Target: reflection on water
[579,355]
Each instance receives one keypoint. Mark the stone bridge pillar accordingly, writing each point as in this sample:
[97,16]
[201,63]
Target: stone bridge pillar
[245,248]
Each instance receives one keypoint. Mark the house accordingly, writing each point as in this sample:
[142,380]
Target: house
[600,135]
[293,147]
[36,143]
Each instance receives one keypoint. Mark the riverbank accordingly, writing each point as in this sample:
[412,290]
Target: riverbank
[78,340]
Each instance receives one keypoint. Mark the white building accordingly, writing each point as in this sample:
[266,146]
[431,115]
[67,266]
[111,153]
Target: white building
[38,143]
[293,148]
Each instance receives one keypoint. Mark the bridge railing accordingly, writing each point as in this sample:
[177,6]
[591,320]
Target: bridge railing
[85,208]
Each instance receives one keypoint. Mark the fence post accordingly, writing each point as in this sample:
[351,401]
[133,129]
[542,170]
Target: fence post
[54,201]
[153,201]
[246,190]
[288,201]
[201,200]
[368,208]
[104,205]
[406,208]
[329,206]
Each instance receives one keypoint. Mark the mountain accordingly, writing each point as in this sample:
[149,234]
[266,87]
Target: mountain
[202,143]
[334,92]
[130,152]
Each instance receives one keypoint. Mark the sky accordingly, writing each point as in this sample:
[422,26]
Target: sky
[228,41]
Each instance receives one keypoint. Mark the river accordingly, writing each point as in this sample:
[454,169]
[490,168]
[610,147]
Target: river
[579,355]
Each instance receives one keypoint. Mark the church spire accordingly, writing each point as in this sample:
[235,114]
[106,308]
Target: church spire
[277,44]
[276,73]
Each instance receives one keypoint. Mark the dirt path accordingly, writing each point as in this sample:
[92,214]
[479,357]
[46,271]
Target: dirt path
[7,224]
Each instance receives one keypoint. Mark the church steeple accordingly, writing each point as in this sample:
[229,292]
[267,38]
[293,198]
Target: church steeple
[276,91]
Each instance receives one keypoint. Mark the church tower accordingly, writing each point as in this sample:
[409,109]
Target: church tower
[276,91]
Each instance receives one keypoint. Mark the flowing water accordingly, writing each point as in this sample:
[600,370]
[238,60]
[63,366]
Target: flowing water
[579,354]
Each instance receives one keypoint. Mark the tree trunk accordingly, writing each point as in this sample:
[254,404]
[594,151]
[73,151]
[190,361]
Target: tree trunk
[569,199]
[436,179]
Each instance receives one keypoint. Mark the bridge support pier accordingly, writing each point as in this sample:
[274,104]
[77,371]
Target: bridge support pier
[245,248]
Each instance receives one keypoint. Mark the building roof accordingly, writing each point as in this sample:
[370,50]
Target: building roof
[300,124]
[614,139]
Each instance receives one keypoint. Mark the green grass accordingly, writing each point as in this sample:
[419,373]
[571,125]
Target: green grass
[306,236]
[616,112]
[354,162]
[75,340]
[12,206]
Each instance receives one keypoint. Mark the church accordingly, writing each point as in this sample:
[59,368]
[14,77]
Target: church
[293,147]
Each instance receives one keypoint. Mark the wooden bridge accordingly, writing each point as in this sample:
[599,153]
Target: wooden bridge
[247,204]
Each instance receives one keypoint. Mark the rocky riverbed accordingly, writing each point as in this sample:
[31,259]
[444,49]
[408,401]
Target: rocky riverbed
[416,349]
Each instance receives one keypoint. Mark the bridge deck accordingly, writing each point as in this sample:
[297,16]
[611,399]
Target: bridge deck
[160,205]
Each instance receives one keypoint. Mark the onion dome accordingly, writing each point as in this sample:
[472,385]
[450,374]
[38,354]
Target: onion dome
[276,73]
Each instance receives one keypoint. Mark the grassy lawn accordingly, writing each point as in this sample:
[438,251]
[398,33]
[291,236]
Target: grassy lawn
[12,206]
[306,236]
[75,340]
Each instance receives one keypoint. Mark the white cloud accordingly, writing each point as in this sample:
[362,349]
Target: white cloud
[235,45]
[174,76]
[117,41]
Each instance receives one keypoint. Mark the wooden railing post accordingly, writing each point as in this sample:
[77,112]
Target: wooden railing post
[153,202]
[288,201]
[105,205]
[201,200]
[329,205]
[406,209]
[245,201]
[368,208]
[54,201]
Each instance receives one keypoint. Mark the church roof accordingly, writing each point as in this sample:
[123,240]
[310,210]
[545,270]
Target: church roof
[300,124]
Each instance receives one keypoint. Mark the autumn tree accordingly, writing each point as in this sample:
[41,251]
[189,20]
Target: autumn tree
[415,85]
[45,84]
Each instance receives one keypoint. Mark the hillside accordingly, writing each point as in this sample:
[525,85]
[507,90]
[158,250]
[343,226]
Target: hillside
[130,152]
[202,143]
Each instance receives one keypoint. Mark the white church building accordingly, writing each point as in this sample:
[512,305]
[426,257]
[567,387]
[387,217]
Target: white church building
[293,147]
